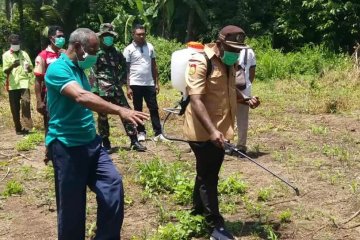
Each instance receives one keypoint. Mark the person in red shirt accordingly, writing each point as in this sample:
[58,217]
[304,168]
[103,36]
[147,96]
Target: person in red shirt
[42,61]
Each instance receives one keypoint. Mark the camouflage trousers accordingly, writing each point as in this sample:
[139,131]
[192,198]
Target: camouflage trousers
[19,99]
[103,121]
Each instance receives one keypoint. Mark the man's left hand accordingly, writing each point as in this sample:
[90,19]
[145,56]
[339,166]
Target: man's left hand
[254,102]
[157,88]
[135,117]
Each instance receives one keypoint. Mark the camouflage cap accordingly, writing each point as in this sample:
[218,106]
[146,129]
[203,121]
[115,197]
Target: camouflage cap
[106,28]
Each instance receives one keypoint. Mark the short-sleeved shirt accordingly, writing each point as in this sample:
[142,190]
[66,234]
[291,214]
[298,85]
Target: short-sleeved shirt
[108,74]
[42,61]
[219,95]
[251,62]
[19,78]
[70,122]
[140,58]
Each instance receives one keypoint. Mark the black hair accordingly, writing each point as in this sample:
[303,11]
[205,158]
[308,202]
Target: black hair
[138,26]
[14,36]
[52,30]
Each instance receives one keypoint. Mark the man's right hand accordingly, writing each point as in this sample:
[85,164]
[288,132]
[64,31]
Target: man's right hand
[41,108]
[129,93]
[135,117]
[217,138]
[16,63]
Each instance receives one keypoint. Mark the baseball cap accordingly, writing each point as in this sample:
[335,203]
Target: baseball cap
[106,28]
[233,36]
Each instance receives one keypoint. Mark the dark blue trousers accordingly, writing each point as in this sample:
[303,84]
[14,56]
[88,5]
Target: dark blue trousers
[78,167]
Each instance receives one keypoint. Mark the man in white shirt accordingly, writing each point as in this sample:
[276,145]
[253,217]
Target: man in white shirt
[247,62]
[142,80]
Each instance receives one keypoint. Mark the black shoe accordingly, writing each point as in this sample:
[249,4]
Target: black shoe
[22,132]
[221,234]
[106,144]
[239,153]
[137,146]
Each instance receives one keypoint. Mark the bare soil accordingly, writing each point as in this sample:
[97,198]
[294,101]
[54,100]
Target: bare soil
[323,165]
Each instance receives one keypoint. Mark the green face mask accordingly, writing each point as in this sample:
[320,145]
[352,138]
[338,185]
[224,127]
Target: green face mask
[59,42]
[108,41]
[229,58]
[88,62]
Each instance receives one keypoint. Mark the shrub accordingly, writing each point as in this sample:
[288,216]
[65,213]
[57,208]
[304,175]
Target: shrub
[310,61]
[164,48]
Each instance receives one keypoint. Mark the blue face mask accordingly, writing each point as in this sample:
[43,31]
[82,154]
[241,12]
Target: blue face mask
[88,62]
[59,42]
[108,41]
[229,58]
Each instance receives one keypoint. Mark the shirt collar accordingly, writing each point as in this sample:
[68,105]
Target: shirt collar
[135,45]
[211,49]
[67,60]
[49,49]
[12,51]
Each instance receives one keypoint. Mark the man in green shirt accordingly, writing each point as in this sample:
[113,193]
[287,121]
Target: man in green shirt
[17,67]
[78,158]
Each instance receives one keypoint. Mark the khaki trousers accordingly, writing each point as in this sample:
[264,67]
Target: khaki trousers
[19,100]
[242,121]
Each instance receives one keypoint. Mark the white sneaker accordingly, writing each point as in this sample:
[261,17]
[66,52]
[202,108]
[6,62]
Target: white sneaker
[141,137]
[161,138]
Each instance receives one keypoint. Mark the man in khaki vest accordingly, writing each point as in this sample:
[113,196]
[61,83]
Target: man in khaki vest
[209,119]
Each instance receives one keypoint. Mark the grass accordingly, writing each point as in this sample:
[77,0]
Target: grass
[30,141]
[285,216]
[13,187]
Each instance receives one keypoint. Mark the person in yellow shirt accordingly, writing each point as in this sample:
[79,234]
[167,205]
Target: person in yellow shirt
[17,67]
[209,120]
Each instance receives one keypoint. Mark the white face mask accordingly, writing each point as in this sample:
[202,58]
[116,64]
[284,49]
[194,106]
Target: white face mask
[15,48]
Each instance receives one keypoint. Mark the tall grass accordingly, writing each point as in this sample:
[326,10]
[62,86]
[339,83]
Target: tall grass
[308,62]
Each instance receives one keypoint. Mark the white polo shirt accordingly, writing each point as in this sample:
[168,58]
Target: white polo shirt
[140,63]
[251,62]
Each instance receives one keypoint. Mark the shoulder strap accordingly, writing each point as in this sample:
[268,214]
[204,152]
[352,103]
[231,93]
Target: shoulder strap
[245,58]
[208,65]
[183,103]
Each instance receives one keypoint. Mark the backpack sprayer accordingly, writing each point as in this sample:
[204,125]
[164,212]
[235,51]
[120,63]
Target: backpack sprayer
[179,61]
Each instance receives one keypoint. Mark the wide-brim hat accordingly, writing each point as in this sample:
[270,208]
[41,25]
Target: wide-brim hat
[106,28]
[233,36]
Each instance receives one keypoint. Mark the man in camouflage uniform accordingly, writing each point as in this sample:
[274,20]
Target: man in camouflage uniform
[106,80]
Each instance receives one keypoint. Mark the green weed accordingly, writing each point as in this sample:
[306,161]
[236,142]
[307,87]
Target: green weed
[26,172]
[183,190]
[337,152]
[30,141]
[228,206]
[271,235]
[354,186]
[185,227]
[285,216]
[319,130]
[232,185]
[48,172]
[13,187]
[156,177]
[264,194]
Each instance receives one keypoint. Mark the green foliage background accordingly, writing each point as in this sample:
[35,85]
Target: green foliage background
[292,39]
